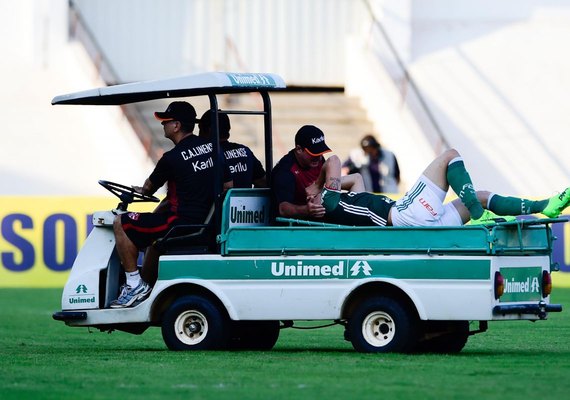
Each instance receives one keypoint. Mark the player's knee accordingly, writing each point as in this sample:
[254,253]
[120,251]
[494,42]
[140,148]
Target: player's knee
[483,197]
[450,154]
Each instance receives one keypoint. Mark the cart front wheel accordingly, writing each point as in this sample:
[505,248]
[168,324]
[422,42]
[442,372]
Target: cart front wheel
[194,323]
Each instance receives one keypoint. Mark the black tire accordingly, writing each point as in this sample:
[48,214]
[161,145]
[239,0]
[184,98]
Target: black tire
[195,323]
[382,325]
[254,335]
[444,337]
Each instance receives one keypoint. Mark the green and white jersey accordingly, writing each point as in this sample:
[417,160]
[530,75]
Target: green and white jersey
[358,209]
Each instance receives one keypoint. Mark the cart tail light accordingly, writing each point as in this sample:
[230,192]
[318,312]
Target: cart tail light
[499,285]
[546,283]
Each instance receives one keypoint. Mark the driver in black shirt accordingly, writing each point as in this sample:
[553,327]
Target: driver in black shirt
[188,171]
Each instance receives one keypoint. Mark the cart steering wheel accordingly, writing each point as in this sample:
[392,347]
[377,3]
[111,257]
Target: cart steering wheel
[127,194]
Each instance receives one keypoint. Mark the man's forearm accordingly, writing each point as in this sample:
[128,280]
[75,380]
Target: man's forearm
[290,210]
[352,183]
[148,188]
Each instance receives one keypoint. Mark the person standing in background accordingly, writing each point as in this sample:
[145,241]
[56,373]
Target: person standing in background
[379,167]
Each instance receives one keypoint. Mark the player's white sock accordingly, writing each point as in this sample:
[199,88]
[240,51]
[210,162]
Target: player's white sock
[133,278]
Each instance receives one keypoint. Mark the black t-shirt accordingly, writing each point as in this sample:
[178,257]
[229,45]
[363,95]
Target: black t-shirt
[189,170]
[244,166]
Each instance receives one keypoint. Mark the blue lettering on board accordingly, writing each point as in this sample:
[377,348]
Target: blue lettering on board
[69,242]
[25,247]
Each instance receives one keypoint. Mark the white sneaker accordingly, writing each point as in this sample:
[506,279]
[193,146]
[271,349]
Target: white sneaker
[129,295]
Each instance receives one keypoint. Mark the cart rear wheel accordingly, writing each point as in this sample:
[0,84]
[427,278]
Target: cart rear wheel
[381,325]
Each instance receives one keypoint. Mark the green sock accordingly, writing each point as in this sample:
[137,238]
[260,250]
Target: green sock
[502,205]
[460,182]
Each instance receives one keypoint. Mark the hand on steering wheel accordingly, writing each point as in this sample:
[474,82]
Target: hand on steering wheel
[127,194]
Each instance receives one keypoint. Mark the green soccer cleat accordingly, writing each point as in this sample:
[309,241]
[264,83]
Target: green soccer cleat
[489,218]
[557,204]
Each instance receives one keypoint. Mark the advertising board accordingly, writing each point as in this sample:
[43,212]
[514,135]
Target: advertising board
[40,236]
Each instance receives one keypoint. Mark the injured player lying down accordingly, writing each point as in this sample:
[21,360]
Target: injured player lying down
[423,204]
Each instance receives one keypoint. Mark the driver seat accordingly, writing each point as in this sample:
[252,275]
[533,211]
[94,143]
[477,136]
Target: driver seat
[189,239]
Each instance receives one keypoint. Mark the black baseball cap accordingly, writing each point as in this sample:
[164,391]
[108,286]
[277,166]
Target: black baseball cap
[223,121]
[312,140]
[177,111]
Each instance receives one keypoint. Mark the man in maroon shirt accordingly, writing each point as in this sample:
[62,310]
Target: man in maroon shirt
[300,168]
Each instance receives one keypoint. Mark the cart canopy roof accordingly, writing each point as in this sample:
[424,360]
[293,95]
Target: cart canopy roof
[183,86]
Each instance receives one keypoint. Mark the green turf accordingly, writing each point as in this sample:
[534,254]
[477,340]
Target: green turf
[44,359]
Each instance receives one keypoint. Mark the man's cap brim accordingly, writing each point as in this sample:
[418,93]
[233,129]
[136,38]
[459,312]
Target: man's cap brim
[317,154]
[162,117]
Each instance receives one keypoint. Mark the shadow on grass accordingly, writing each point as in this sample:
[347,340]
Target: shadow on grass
[283,350]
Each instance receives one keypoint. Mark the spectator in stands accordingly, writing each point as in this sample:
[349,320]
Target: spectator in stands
[300,168]
[188,171]
[423,204]
[245,168]
[378,166]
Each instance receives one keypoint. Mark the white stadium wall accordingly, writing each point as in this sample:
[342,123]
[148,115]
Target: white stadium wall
[301,40]
[495,77]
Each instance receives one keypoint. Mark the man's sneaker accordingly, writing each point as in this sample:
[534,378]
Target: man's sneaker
[490,217]
[123,290]
[557,204]
[129,295]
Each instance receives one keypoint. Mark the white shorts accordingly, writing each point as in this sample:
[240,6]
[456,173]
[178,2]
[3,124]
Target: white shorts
[423,205]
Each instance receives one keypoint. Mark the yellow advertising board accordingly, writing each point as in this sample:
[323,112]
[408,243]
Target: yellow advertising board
[40,237]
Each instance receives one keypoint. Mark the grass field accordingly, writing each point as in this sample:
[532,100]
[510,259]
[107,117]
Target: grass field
[44,359]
